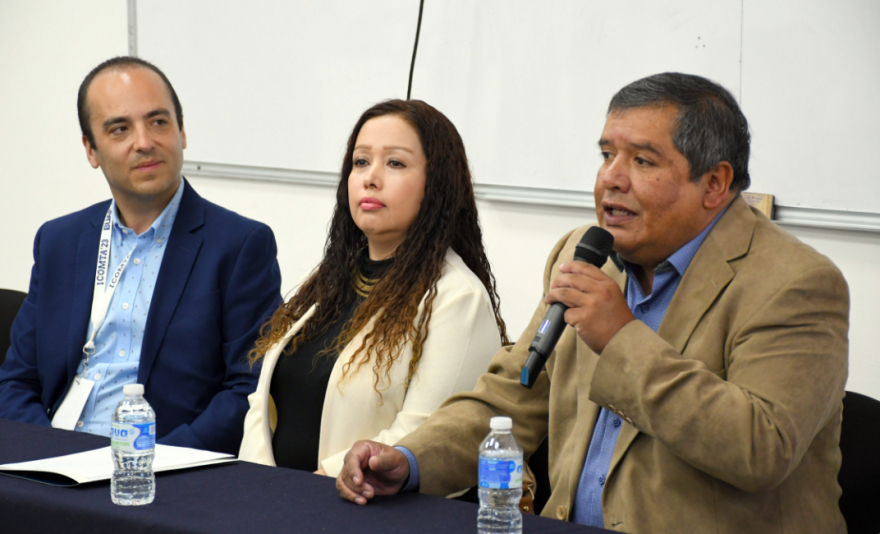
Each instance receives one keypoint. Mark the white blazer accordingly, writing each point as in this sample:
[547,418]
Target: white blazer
[462,338]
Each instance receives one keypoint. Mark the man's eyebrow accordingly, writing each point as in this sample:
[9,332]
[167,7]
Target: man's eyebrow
[161,112]
[158,112]
[114,120]
[647,147]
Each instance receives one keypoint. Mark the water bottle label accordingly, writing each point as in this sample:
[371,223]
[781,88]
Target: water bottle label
[501,473]
[132,437]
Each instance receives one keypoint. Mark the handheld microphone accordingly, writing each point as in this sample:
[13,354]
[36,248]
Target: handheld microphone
[593,249]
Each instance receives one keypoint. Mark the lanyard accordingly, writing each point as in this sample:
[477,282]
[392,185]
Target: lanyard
[104,288]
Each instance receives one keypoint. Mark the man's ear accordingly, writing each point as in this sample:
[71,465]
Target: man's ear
[183,136]
[90,153]
[717,185]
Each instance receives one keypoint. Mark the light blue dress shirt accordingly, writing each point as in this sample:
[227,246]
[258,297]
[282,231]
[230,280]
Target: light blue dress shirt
[650,309]
[120,336]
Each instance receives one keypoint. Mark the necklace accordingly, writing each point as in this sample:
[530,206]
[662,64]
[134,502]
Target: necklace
[363,285]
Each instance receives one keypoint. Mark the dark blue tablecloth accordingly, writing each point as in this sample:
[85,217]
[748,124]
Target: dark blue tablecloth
[233,498]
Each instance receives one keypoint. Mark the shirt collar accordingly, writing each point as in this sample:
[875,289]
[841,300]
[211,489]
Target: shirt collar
[161,227]
[681,258]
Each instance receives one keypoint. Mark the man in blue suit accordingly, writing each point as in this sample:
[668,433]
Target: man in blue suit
[157,286]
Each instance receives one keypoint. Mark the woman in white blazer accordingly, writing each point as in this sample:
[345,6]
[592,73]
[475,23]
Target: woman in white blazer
[401,313]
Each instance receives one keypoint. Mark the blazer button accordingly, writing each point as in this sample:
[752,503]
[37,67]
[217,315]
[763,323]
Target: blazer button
[561,512]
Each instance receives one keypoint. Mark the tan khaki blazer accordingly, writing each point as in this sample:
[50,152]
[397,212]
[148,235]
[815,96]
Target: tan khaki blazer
[733,408]
[462,337]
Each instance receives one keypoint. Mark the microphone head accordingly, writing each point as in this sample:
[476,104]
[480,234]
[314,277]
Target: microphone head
[595,246]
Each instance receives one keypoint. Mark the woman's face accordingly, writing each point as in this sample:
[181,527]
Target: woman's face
[387,182]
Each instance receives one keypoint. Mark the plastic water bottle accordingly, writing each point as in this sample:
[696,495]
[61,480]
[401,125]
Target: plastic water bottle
[133,442]
[501,479]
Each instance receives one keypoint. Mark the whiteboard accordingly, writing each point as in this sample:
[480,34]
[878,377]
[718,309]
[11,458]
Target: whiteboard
[811,77]
[528,83]
[277,83]
[280,83]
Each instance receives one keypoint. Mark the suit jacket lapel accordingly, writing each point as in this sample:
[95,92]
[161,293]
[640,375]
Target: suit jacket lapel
[83,289]
[708,274]
[587,414]
[180,255]
[587,411]
[705,279]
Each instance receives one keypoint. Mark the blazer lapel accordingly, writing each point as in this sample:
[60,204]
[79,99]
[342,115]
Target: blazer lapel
[264,383]
[588,411]
[708,274]
[627,432]
[274,353]
[705,279]
[587,414]
[83,289]
[180,255]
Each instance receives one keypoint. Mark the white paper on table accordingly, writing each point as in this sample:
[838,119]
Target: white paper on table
[92,466]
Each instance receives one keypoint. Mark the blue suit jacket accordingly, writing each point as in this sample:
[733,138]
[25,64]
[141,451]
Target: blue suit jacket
[218,283]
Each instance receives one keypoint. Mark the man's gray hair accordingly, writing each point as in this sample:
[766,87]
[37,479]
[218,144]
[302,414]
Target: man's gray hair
[710,127]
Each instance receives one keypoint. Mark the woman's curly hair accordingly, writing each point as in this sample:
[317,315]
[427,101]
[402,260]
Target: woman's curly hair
[447,219]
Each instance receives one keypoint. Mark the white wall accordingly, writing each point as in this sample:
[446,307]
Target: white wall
[47,47]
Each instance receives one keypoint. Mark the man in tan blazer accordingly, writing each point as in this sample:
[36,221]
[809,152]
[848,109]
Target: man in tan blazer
[730,399]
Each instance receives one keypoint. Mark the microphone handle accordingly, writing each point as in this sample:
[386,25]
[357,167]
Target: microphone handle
[545,341]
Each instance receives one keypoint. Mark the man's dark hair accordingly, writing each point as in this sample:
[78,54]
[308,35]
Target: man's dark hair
[710,127]
[118,63]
